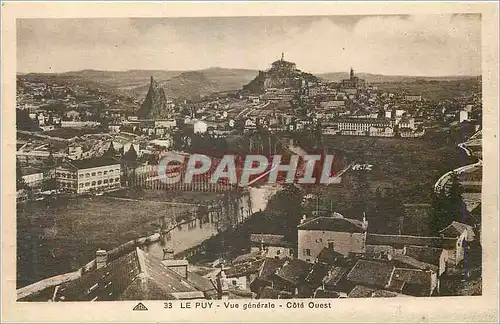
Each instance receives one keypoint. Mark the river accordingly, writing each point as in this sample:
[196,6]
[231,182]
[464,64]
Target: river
[193,233]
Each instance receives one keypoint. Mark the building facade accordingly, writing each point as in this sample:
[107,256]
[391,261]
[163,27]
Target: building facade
[342,235]
[91,175]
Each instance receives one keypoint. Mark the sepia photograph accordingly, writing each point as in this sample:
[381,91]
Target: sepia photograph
[253,162]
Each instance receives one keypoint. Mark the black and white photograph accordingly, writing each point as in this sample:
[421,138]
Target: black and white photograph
[298,159]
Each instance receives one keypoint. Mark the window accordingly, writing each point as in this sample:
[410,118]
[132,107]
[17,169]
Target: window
[105,181]
[105,172]
[278,252]
[234,282]
[110,180]
[117,179]
[93,174]
[87,184]
[81,175]
[99,182]
[81,185]
[87,175]
[58,174]
[93,183]
[99,173]
[330,245]
[308,252]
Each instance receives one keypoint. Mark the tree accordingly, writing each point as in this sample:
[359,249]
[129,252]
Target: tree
[130,155]
[284,211]
[110,152]
[448,206]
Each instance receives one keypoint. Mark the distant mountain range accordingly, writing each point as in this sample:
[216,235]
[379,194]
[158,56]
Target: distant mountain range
[380,78]
[194,84]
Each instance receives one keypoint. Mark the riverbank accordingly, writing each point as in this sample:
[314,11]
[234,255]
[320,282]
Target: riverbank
[58,236]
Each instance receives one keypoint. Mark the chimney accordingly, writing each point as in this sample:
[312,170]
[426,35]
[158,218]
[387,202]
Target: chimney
[101,258]
[168,254]
[179,266]
[222,286]
[365,222]
[304,218]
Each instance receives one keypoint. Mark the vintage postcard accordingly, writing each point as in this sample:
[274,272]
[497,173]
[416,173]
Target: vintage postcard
[250,162]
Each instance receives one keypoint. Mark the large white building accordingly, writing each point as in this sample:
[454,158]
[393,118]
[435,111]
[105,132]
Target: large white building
[81,176]
[364,127]
[342,235]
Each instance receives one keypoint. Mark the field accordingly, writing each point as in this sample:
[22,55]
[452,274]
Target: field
[68,133]
[404,171]
[435,90]
[57,237]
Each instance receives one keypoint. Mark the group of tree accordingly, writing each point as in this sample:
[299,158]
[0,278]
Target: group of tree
[448,206]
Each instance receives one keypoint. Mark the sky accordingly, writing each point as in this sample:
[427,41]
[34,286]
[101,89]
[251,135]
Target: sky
[426,45]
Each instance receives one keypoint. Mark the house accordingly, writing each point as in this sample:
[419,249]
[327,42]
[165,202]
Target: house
[32,177]
[372,274]
[271,245]
[418,283]
[366,292]
[435,256]
[96,174]
[196,126]
[340,234]
[463,234]
[291,275]
[239,276]
[266,271]
[134,276]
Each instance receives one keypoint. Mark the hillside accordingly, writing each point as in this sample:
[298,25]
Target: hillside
[380,78]
[196,84]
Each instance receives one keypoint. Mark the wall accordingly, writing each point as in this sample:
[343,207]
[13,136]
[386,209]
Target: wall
[85,176]
[315,241]
[33,179]
[279,252]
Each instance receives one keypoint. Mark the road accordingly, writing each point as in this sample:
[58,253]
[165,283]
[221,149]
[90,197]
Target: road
[474,140]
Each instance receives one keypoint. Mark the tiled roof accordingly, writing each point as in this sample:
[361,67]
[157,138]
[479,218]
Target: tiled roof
[455,229]
[317,273]
[244,269]
[334,224]
[366,292]
[270,266]
[247,257]
[409,262]
[93,163]
[425,254]
[270,293]
[417,282]
[135,276]
[270,239]
[361,292]
[321,293]
[294,271]
[329,256]
[402,240]
[377,250]
[334,275]
[371,273]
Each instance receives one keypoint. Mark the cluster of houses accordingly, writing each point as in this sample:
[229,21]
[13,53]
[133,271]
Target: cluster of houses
[337,257]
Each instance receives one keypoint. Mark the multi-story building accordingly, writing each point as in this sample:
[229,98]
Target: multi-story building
[342,235]
[96,174]
[364,127]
